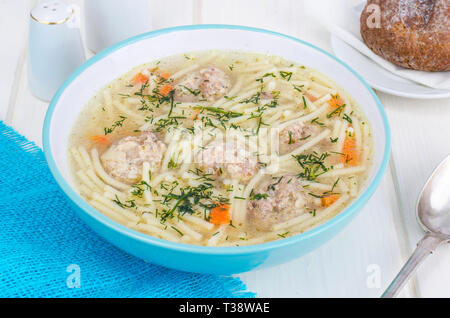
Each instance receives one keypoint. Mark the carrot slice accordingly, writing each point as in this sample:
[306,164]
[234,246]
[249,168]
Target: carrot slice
[165,90]
[336,101]
[220,214]
[164,75]
[311,97]
[329,200]
[349,153]
[195,116]
[140,78]
[101,139]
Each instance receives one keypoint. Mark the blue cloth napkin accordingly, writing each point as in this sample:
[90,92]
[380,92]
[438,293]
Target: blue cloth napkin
[47,251]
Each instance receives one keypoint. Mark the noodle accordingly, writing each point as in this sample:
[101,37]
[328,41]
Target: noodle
[220,148]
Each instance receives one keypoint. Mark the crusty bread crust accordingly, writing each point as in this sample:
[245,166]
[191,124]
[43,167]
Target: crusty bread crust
[413,33]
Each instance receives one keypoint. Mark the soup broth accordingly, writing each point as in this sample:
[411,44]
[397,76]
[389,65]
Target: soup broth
[221,148]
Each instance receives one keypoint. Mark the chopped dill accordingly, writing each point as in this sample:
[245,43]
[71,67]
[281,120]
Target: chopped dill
[304,138]
[299,88]
[286,75]
[305,105]
[172,163]
[337,111]
[291,141]
[273,185]
[258,196]
[254,99]
[139,188]
[194,92]
[128,204]
[335,184]
[179,232]
[347,118]
[118,123]
[261,79]
[316,121]
[313,165]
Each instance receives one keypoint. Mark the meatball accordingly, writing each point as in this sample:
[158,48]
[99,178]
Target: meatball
[228,159]
[295,135]
[123,160]
[210,83]
[276,200]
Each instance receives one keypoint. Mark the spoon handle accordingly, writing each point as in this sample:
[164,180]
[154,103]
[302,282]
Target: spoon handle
[425,247]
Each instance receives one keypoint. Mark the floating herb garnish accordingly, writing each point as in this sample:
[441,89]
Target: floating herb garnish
[313,165]
[116,124]
[286,75]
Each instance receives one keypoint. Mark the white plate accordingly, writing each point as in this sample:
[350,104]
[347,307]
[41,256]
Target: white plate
[381,79]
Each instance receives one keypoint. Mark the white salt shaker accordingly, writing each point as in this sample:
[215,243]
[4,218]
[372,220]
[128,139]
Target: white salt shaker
[110,21]
[55,47]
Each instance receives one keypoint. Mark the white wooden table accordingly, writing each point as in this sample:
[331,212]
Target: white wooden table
[361,260]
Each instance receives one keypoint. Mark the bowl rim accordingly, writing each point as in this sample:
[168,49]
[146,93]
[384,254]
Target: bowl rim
[347,213]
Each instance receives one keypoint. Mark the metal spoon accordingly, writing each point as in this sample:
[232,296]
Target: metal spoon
[433,214]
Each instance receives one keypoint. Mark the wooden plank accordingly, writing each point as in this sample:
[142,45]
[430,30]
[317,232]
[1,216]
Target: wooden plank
[28,114]
[171,13]
[290,17]
[13,16]
[420,132]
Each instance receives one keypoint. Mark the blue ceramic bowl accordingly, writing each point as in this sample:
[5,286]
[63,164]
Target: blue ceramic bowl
[118,59]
